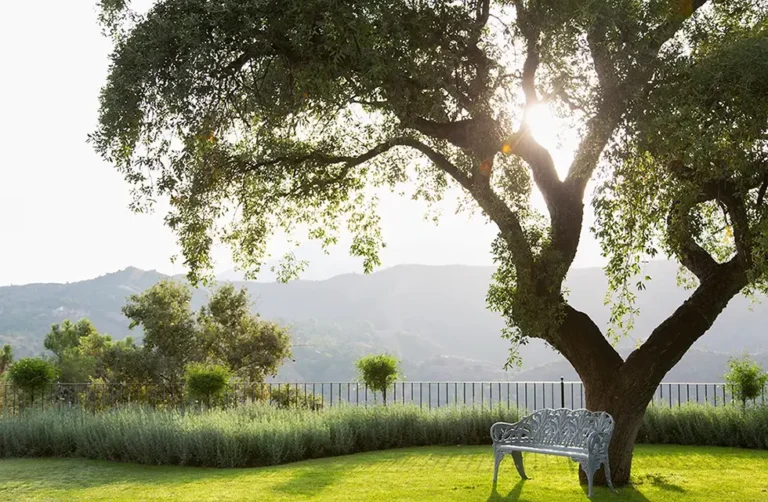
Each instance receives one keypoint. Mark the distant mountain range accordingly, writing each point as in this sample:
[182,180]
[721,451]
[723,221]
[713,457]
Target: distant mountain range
[434,317]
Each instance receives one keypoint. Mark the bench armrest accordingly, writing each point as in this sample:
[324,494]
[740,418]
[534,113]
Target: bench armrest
[597,443]
[502,432]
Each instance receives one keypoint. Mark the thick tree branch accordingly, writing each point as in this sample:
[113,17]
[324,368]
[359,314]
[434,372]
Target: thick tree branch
[606,73]
[615,97]
[530,66]
[478,135]
[542,167]
[326,160]
[584,346]
[691,254]
[673,337]
[667,30]
[507,220]
[483,11]
[724,192]
[761,192]
[599,131]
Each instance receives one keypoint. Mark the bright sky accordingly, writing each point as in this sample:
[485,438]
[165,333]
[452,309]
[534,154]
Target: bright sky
[63,211]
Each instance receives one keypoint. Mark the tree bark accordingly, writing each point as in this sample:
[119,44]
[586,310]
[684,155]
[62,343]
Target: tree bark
[627,407]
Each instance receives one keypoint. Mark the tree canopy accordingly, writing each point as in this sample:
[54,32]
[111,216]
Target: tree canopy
[257,115]
[224,332]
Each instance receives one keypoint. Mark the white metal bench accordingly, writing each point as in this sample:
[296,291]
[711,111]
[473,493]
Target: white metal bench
[581,435]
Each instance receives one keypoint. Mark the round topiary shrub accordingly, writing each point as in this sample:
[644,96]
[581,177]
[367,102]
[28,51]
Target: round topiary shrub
[207,382]
[378,372]
[32,375]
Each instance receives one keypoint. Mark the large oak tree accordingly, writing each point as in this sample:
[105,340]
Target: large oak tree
[256,115]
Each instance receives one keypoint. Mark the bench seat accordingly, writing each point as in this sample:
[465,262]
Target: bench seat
[546,449]
[580,435]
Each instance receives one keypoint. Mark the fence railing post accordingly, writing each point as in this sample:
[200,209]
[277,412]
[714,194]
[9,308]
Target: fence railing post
[562,392]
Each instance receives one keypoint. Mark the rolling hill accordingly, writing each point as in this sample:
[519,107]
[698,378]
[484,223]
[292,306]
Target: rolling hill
[434,317]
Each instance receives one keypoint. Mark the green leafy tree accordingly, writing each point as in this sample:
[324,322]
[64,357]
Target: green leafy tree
[170,333]
[257,115]
[32,375]
[378,372]
[64,341]
[67,335]
[250,346]
[746,378]
[207,381]
[6,358]
[127,362]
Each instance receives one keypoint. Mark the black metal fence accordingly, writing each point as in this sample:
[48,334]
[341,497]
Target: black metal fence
[522,395]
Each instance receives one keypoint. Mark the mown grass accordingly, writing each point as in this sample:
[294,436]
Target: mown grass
[660,473]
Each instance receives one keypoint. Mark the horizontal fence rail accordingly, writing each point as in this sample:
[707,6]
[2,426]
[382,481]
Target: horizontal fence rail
[316,395]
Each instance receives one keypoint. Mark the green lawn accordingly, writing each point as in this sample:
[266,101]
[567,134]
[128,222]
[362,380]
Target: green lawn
[678,473]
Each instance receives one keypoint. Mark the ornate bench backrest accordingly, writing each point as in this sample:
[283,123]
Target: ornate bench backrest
[561,427]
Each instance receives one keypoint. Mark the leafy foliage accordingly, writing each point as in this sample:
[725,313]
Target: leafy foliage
[64,340]
[378,372]
[286,396]
[231,335]
[163,312]
[747,379]
[206,381]
[692,170]
[6,358]
[32,375]
[294,113]
[706,426]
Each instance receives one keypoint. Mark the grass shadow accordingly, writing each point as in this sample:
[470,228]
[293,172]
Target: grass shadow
[659,481]
[308,481]
[514,494]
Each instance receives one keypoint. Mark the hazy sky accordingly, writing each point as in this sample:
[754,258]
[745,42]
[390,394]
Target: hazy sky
[63,211]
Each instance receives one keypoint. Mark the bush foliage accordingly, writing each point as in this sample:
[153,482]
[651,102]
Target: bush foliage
[378,372]
[692,424]
[262,434]
[256,435]
[207,382]
[747,379]
[293,397]
[32,375]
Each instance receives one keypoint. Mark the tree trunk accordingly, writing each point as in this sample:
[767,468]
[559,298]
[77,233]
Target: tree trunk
[627,409]
[628,419]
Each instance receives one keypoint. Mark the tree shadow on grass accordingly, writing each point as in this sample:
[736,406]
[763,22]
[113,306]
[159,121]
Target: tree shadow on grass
[625,493]
[659,481]
[308,481]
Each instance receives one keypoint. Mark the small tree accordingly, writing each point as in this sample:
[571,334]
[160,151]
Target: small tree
[378,372]
[293,397]
[206,380]
[251,347]
[32,375]
[6,358]
[170,332]
[746,378]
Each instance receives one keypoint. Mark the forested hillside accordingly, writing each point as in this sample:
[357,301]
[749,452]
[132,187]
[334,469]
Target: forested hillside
[434,318]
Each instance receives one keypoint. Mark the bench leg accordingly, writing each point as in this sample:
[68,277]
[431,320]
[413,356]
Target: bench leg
[518,458]
[589,470]
[497,456]
[608,475]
